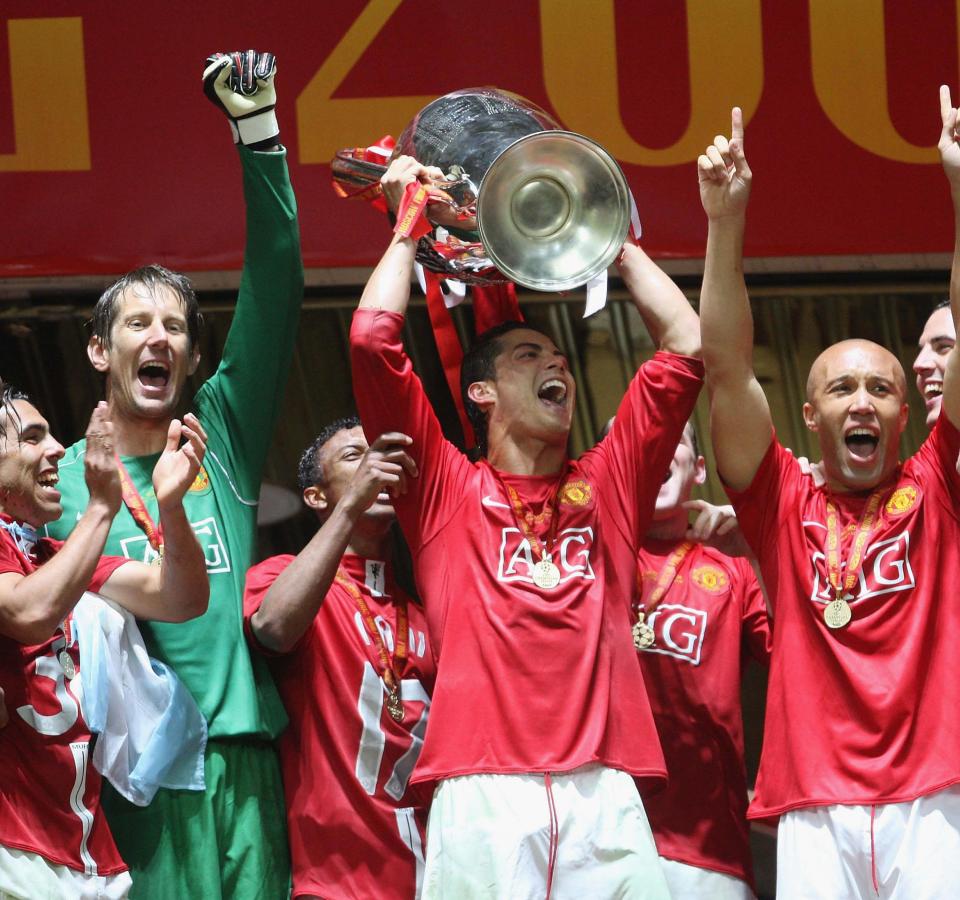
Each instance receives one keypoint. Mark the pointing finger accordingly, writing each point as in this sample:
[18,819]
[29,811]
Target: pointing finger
[736,124]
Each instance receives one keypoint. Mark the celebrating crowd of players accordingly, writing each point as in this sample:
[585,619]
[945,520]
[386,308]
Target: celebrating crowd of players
[558,713]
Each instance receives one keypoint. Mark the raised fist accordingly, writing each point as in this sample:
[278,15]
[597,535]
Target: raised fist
[241,84]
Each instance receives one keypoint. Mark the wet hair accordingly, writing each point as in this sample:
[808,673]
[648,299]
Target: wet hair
[479,364]
[150,277]
[8,394]
[309,471]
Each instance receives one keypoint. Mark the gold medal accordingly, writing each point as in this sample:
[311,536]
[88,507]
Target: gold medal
[837,613]
[643,634]
[67,664]
[395,705]
[546,575]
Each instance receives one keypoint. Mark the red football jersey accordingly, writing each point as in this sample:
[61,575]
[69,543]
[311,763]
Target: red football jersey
[529,679]
[356,829]
[49,792]
[709,621]
[867,713]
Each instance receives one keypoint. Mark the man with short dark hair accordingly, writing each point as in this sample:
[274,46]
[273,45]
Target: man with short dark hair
[526,564]
[230,840]
[861,750]
[54,841]
[353,665]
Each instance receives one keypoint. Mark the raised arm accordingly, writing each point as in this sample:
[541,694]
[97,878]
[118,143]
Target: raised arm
[31,606]
[668,317]
[245,395]
[178,588]
[740,423]
[949,146]
[291,603]
[388,288]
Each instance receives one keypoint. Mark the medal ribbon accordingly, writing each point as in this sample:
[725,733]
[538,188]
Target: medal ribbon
[525,517]
[855,562]
[668,574]
[391,666]
[138,509]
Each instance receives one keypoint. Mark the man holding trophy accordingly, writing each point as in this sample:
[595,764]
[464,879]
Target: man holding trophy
[525,561]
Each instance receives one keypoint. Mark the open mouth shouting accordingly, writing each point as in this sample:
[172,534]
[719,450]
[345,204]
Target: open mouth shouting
[553,393]
[861,442]
[154,375]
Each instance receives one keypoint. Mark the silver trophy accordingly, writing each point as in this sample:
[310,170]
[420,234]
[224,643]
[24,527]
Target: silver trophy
[531,203]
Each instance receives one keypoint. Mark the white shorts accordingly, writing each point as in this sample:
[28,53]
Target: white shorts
[28,876]
[896,851]
[688,882]
[529,837]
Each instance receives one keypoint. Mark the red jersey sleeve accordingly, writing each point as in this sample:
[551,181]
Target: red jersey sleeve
[937,457]
[12,560]
[757,636]
[390,397]
[105,568]
[259,580]
[761,506]
[633,458]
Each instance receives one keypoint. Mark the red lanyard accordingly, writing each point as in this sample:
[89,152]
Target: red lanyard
[526,519]
[643,634]
[138,509]
[391,665]
[838,612]
[545,573]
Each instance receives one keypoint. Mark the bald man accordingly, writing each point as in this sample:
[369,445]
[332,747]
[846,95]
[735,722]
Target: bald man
[861,753]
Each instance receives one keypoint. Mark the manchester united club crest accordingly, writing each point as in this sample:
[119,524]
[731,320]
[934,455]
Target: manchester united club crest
[202,481]
[576,493]
[709,578]
[901,500]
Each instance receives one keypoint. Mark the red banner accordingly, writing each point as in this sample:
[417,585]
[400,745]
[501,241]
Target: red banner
[110,156]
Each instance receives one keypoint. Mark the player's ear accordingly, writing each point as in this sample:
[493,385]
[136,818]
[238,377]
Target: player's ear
[194,360]
[316,498]
[810,417]
[483,393]
[97,354]
[700,471]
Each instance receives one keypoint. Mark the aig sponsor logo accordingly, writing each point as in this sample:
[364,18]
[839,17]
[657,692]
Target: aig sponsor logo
[678,632]
[208,535]
[886,569]
[571,555]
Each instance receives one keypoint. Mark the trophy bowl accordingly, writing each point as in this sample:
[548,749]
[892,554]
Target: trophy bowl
[531,203]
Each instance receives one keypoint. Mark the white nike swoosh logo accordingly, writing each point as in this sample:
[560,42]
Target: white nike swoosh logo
[489,501]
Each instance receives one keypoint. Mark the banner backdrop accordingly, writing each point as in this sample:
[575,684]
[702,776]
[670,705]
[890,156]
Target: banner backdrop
[110,155]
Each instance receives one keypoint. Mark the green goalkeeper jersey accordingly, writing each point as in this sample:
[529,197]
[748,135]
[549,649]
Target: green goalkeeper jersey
[238,407]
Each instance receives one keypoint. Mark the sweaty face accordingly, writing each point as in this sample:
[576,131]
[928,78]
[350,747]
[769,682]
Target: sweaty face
[935,344]
[28,467]
[535,392]
[686,470]
[149,357]
[339,459]
[857,407]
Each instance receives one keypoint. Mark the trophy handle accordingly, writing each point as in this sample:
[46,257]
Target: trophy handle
[354,176]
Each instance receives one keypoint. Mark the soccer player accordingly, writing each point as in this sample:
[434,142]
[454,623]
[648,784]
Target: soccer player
[54,840]
[699,615]
[936,342]
[526,564]
[231,840]
[861,752]
[355,671]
